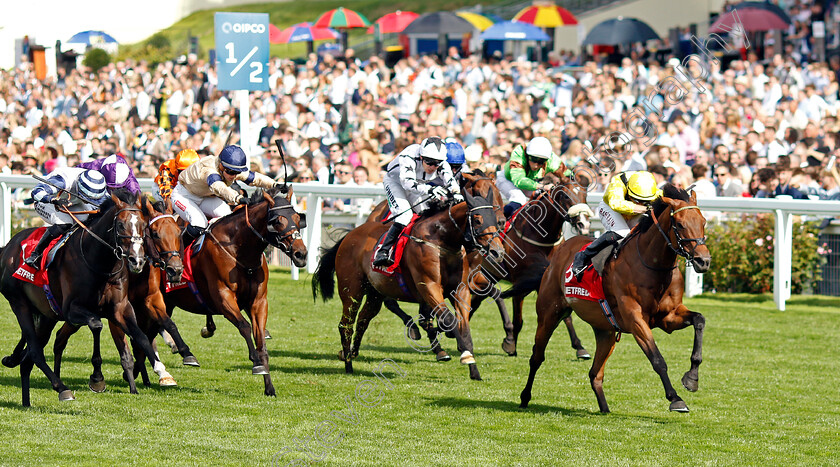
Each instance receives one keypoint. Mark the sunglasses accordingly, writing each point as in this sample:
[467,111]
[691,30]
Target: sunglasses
[344,172]
[231,172]
[431,162]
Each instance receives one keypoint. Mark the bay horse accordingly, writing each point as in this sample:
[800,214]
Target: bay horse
[231,273]
[643,288]
[432,267]
[80,275]
[163,248]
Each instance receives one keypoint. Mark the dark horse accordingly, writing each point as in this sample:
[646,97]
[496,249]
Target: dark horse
[79,276]
[534,233]
[231,273]
[432,267]
[163,246]
[643,288]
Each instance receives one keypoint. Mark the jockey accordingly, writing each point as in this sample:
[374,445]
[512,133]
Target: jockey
[519,178]
[203,189]
[88,183]
[117,172]
[418,173]
[627,197]
[455,157]
[168,172]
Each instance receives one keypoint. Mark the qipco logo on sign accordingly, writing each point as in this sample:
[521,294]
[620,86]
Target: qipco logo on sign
[241,28]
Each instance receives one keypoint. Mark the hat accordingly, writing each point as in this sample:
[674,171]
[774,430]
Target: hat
[674,62]
[31,153]
[472,153]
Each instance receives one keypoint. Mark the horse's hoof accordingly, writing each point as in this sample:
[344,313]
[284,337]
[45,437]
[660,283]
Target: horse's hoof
[582,354]
[467,358]
[167,382]
[259,370]
[341,355]
[442,356]
[190,360]
[267,334]
[97,386]
[270,392]
[8,362]
[413,332]
[474,372]
[66,395]
[205,333]
[678,406]
[509,346]
[348,367]
[690,383]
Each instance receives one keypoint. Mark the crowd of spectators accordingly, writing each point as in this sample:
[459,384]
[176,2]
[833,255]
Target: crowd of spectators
[766,126]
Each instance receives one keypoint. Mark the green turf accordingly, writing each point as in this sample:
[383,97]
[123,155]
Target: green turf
[286,13]
[768,395]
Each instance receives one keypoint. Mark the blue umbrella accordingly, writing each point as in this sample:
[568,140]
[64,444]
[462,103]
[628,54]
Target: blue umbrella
[513,31]
[91,38]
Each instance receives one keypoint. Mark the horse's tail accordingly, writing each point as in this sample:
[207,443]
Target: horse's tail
[323,281]
[529,282]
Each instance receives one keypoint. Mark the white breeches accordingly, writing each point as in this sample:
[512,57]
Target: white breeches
[400,201]
[509,192]
[195,209]
[51,216]
[614,221]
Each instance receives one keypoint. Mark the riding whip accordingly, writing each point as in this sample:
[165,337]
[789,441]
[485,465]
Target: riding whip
[77,195]
[285,167]
[427,198]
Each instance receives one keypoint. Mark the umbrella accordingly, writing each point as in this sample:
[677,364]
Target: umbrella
[478,21]
[441,22]
[394,22]
[753,16]
[514,31]
[301,32]
[91,38]
[545,16]
[341,18]
[620,31]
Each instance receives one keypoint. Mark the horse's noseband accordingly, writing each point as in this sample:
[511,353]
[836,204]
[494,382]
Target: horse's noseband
[162,261]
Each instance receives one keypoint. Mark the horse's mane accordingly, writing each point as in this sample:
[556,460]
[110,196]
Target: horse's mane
[668,191]
[257,195]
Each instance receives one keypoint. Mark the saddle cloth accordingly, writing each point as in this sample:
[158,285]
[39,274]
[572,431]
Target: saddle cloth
[187,275]
[509,222]
[393,269]
[38,277]
[589,288]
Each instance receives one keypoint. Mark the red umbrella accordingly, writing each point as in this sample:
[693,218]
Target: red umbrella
[301,32]
[341,18]
[394,22]
[753,16]
[545,16]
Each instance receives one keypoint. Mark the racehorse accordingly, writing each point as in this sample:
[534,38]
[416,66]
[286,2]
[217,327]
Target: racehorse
[163,245]
[231,273]
[643,288]
[432,267]
[79,276]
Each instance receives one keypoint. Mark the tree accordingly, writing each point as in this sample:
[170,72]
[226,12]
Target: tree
[96,58]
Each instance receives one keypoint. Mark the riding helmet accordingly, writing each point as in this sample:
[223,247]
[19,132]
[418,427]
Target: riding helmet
[642,186]
[91,184]
[455,153]
[116,171]
[433,148]
[234,158]
[185,158]
[539,148]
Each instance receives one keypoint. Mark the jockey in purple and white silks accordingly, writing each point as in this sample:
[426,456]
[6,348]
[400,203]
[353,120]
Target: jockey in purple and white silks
[117,172]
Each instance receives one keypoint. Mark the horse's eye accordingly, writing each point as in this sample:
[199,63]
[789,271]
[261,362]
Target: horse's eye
[155,236]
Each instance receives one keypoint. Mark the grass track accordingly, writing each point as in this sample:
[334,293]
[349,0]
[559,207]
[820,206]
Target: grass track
[768,394]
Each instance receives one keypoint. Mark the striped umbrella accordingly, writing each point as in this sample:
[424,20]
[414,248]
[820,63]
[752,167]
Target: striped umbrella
[341,18]
[394,22]
[480,22]
[301,32]
[545,16]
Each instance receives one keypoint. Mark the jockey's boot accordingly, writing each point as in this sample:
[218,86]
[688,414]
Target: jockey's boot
[52,232]
[385,255]
[511,208]
[191,233]
[584,258]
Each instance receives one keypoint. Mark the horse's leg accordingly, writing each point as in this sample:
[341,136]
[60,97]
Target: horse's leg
[226,302]
[518,302]
[369,310]
[209,327]
[427,322]
[126,359]
[140,363]
[548,317]
[679,318]
[351,289]
[412,331]
[259,317]
[509,343]
[604,345]
[156,308]
[581,352]
[61,337]
[167,339]
[35,352]
[644,337]
[96,382]
[124,316]
[12,360]
[459,299]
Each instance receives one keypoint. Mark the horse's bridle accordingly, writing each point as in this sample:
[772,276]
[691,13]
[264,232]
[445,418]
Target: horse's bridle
[486,224]
[115,248]
[565,215]
[292,229]
[163,257]
[680,248]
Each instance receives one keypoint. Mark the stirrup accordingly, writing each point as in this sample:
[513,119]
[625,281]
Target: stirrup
[33,262]
[383,261]
[578,272]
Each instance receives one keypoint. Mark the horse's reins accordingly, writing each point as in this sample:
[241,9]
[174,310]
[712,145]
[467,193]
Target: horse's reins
[116,249]
[485,225]
[566,218]
[159,261]
[680,251]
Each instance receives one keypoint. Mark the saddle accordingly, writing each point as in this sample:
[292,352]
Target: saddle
[39,277]
[399,247]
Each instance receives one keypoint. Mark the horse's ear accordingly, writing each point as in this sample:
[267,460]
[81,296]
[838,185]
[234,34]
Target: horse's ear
[491,175]
[561,171]
[168,203]
[693,198]
[289,195]
[144,205]
[470,178]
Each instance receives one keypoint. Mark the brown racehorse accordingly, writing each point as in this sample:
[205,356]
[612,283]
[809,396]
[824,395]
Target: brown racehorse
[432,268]
[79,276]
[163,246]
[231,273]
[643,288]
